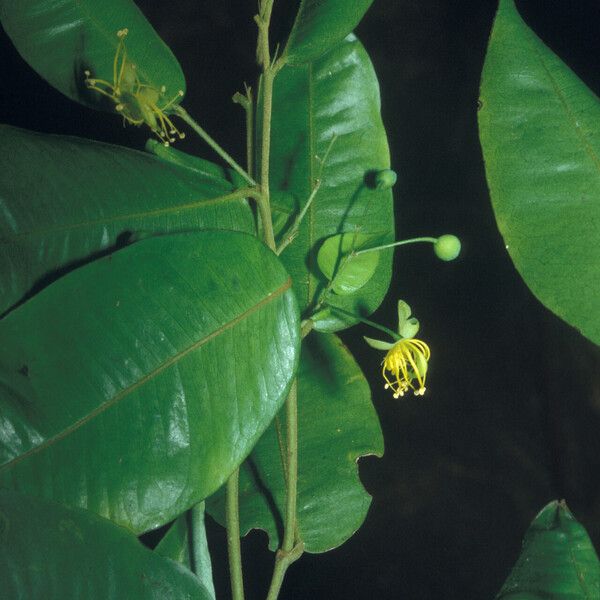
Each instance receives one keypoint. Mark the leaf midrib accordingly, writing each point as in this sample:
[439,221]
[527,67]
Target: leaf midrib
[312,208]
[237,195]
[563,101]
[578,567]
[286,285]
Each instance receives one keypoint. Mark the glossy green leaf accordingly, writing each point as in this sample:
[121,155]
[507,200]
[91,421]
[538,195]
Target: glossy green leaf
[348,272]
[320,25]
[63,200]
[155,371]
[49,551]
[337,424]
[558,560]
[203,167]
[61,39]
[329,110]
[539,133]
[177,545]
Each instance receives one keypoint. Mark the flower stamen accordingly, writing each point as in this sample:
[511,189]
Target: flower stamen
[135,101]
[406,361]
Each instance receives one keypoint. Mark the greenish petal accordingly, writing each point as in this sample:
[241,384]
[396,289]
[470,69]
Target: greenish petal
[378,344]
[409,328]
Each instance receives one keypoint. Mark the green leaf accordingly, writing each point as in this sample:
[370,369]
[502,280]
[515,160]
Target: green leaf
[50,551]
[63,200]
[557,561]
[347,272]
[330,110]
[156,369]
[336,425]
[203,167]
[320,25]
[176,545]
[539,133]
[61,39]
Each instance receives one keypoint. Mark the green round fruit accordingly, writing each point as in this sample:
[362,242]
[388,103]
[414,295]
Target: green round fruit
[447,247]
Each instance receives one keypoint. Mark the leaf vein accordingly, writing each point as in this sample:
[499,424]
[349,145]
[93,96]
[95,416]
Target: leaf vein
[162,367]
[237,195]
[312,208]
[563,101]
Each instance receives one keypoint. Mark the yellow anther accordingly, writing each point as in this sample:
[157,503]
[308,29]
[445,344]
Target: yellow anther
[136,101]
[406,362]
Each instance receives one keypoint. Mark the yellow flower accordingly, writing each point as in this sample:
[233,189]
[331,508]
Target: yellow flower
[405,364]
[406,361]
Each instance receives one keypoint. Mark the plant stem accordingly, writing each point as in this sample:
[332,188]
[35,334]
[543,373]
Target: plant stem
[246,101]
[270,70]
[291,549]
[250,132]
[265,203]
[201,564]
[281,444]
[264,209]
[295,228]
[292,466]
[348,257]
[327,289]
[306,327]
[391,333]
[282,563]
[184,115]
[232,518]
[232,514]
[431,240]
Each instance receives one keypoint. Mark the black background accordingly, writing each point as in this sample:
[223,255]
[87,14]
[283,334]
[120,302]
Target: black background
[512,413]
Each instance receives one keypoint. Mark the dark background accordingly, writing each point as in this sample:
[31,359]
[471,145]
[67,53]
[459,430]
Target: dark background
[512,413]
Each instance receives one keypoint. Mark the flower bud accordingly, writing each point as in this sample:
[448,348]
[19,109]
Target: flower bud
[385,179]
[447,247]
